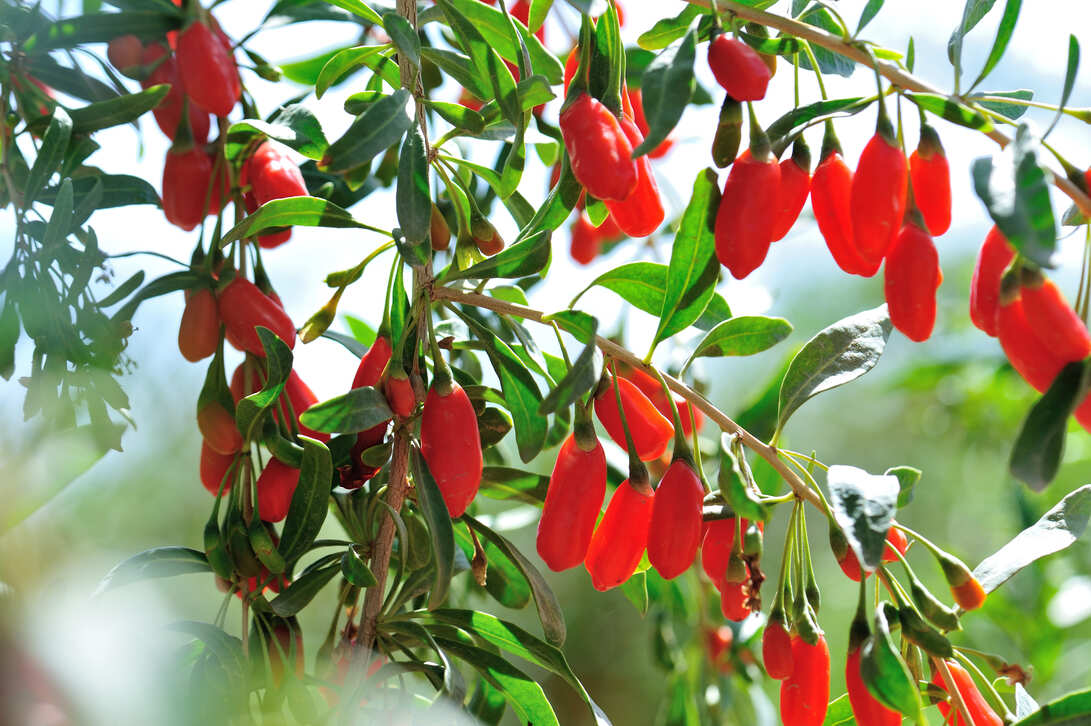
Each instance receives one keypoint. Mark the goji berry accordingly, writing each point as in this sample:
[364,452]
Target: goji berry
[641,212]
[368,373]
[585,240]
[970,595]
[738,68]
[451,445]
[980,712]
[1037,364]
[207,70]
[621,537]
[651,388]
[218,428]
[675,531]
[243,307]
[895,540]
[776,649]
[995,255]
[728,136]
[850,565]
[199,331]
[300,395]
[187,176]
[276,485]
[214,466]
[910,280]
[571,65]
[733,599]
[831,191]
[804,695]
[272,174]
[718,645]
[747,212]
[168,114]
[399,392]
[573,501]
[1054,321]
[717,544]
[598,148]
[865,708]
[484,234]
[651,432]
[124,52]
[878,197]
[795,185]
[931,178]
[439,232]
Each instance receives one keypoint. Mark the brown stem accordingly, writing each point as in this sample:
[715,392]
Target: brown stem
[612,349]
[891,71]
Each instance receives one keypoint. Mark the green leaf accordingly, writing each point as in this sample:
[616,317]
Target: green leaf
[1073,709]
[9,336]
[297,595]
[1008,110]
[864,505]
[498,482]
[358,7]
[483,54]
[1003,37]
[952,111]
[310,502]
[101,28]
[885,673]
[358,410]
[744,335]
[343,63]
[60,221]
[1039,448]
[1058,528]
[549,610]
[292,212]
[580,378]
[117,111]
[294,126]
[828,61]
[536,16]
[153,563]
[308,70]
[528,257]
[50,155]
[459,68]
[1015,190]
[278,365]
[413,201]
[439,527]
[907,479]
[183,280]
[635,590]
[503,581]
[734,487]
[837,355]
[666,89]
[972,14]
[668,30]
[376,130]
[405,38]
[493,26]
[458,116]
[792,122]
[1071,67]
[870,11]
[580,325]
[839,712]
[641,284]
[118,190]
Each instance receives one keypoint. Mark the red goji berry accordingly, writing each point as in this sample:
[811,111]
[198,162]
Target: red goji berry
[276,485]
[716,546]
[865,708]
[675,531]
[738,68]
[651,388]
[368,373]
[571,64]
[795,186]
[573,501]
[214,466]
[168,114]
[970,595]
[300,395]
[272,174]
[373,363]
[218,428]
[995,255]
[585,240]
[831,191]
[878,197]
[439,232]
[451,445]
[641,212]
[850,565]
[931,178]
[199,331]
[733,598]
[187,176]
[244,307]
[650,430]
[1054,321]
[895,540]
[598,148]
[776,649]
[747,212]
[1037,364]
[399,392]
[980,712]
[207,70]
[621,537]
[804,695]
[910,280]
[484,234]
[124,52]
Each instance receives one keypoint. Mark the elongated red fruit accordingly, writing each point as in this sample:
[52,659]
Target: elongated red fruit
[747,212]
[399,393]
[168,114]
[650,430]
[931,177]
[199,331]
[621,537]
[573,501]
[995,255]
[878,197]
[675,531]
[186,179]
[716,546]
[218,428]
[302,397]
[738,68]
[641,213]
[451,445]
[368,373]
[585,240]
[207,70]
[981,713]
[124,52]
[733,598]
[1036,363]
[895,539]
[831,191]
[804,695]
[276,485]
[651,388]
[214,466]
[272,174]
[599,150]
[910,280]
[1054,321]
[795,185]
[776,649]
[865,708]
[243,307]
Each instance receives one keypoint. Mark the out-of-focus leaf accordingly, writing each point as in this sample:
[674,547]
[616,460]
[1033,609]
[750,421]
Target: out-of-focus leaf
[864,505]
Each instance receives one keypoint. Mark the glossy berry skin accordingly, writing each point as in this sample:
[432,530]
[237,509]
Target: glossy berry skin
[675,531]
[599,150]
[399,395]
[1055,322]
[910,280]
[981,713]
[831,192]
[641,212]
[452,447]
[747,212]
[214,466]
[795,185]
[272,174]
[571,64]
[276,485]
[895,539]
[573,501]
[207,70]
[585,240]
[776,650]
[878,198]
[738,68]
[620,539]
[186,178]
[168,114]
[865,708]
[650,430]
[931,178]
[243,307]
[804,695]
[995,255]
[300,395]
[733,597]
[716,546]
[970,595]
[1036,363]
[218,428]
[651,388]
[199,331]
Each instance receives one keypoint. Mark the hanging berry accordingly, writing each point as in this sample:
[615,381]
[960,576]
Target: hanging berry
[831,194]
[795,185]
[207,70]
[621,537]
[804,695]
[651,431]
[931,181]
[879,190]
[199,330]
[641,212]
[275,486]
[980,712]
[995,256]
[599,150]
[450,442]
[910,280]
[738,68]
[243,307]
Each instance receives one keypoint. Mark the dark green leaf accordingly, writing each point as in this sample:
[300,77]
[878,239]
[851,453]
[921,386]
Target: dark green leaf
[668,30]
[101,28]
[413,201]
[358,410]
[870,11]
[297,595]
[528,257]
[117,111]
[310,501]
[951,110]
[666,90]
[123,290]
[459,68]
[579,379]
[863,505]
[458,115]
[118,190]
[503,580]
[278,365]
[60,221]
[498,482]
[744,335]
[1003,36]
[828,61]
[157,562]
[294,126]
[344,63]
[885,673]
[405,38]
[439,527]
[376,130]
[470,20]
[520,393]
[1008,110]
[788,124]
[493,26]
[171,282]
[734,487]
[1073,709]
[292,212]
[50,155]
[1038,450]
[9,336]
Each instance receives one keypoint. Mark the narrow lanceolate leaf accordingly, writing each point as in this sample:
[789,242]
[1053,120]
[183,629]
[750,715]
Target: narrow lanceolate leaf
[1003,37]
[1000,106]
[743,335]
[493,26]
[486,62]
[117,111]
[539,9]
[359,8]
[498,482]
[668,30]
[355,569]
[837,355]
[734,487]
[297,595]
[50,154]
[951,110]
[504,582]
[413,201]
[278,365]
[458,115]
[1015,190]
[405,38]
[972,14]
[1071,710]
[1039,448]
[157,562]
[439,527]
[864,505]
[870,11]
[693,269]
[294,126]
[907,479]
[1058,528]
[579,379]
[292,212]
[1071,67]
[358,410]
[343,63]
[519,260]
[635,590]
[885,673]
[666,88]
[375,131]
[309,504]
[118,190]
[101,28]
[792,122]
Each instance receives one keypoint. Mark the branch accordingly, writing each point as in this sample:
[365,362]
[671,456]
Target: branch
[891,71]
[612,349]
